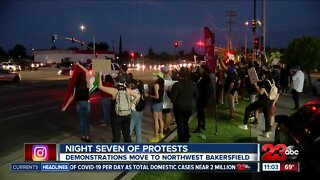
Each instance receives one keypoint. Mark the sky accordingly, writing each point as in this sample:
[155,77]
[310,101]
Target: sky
[151,23]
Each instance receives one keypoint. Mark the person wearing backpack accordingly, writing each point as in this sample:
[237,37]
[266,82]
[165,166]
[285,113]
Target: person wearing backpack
[137,109]
[122,108]
[264,102]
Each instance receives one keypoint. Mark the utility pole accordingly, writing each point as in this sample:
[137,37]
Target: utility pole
[263,34]
[254,21]
[230,22]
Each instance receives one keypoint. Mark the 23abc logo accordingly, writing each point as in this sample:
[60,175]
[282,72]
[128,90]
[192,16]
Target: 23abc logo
[279,152]
[40,153]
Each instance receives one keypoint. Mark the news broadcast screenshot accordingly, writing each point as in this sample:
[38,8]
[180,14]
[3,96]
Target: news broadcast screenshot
[161,90]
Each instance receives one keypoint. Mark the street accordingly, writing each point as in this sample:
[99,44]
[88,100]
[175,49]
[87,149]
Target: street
[31,113]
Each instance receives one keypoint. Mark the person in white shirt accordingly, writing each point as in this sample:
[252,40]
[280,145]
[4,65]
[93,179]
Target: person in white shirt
[297,86]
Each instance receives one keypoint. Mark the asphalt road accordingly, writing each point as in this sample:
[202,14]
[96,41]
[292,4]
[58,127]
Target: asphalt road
[31,113]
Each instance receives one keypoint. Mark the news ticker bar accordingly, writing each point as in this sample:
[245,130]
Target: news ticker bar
[283,166]
[108,167]
[194,167]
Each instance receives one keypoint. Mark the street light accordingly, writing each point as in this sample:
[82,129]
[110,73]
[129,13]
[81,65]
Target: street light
[82,27]
[246,37]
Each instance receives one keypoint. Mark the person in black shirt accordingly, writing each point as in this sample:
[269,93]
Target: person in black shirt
[156,96]
[81,95]
[182,94]
[263,103]
[202,82]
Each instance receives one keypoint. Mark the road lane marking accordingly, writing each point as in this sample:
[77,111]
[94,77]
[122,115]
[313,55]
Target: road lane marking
[28,113]
[34,112]
[30,105]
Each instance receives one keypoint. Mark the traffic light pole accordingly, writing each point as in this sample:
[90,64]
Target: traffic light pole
[75,40]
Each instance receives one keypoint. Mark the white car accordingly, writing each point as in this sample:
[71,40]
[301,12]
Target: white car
[10,66]
[316,87]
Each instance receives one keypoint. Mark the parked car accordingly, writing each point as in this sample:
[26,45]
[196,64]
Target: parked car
[8,76]
[10,66]
[316,87]
[302,130]
[28,65]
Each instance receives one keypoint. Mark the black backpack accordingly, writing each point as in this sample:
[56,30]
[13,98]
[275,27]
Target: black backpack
[142,102]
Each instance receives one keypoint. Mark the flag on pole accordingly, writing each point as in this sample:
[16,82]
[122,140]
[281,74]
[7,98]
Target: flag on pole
[72,84]
[94,82]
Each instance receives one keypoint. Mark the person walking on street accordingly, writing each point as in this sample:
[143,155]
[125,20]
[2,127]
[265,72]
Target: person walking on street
[297,86]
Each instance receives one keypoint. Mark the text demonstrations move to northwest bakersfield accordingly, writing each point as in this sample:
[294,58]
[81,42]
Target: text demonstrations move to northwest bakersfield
[106,148]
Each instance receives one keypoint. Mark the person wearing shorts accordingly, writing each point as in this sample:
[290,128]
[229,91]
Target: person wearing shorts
[156,107]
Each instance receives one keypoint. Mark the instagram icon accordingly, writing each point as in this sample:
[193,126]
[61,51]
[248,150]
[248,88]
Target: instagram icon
[40,153]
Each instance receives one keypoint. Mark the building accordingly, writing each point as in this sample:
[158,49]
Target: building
[59,56]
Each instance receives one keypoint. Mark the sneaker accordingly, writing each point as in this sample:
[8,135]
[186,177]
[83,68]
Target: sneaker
[154,140]
[266,134]
[161,136]
[244,126]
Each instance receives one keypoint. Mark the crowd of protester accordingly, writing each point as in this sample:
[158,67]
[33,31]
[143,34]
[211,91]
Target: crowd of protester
[173,92]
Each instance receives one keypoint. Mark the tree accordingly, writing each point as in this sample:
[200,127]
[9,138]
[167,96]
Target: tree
[304,51]
[18,51]
[3,54]
[151,54]
[100,46]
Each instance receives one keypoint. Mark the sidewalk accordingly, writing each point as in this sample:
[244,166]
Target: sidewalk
[283,107]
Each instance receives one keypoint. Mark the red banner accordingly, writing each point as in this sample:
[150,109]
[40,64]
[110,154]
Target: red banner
[209,49]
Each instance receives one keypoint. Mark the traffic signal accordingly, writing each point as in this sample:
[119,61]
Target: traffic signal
[176,44]
[253,23]
[54,38]
[73,39]
[261,43]
[82,43]
[255,43]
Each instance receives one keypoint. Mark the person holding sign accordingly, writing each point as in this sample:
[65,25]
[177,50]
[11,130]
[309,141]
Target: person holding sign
[81,95]
[263,102]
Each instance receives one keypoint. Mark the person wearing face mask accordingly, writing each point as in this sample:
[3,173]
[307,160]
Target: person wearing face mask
[156,96]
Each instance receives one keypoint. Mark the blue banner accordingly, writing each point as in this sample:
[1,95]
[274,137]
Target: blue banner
[58,167]
[25,167]
[159,148]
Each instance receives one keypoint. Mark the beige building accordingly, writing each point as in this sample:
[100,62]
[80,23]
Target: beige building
[59,56]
